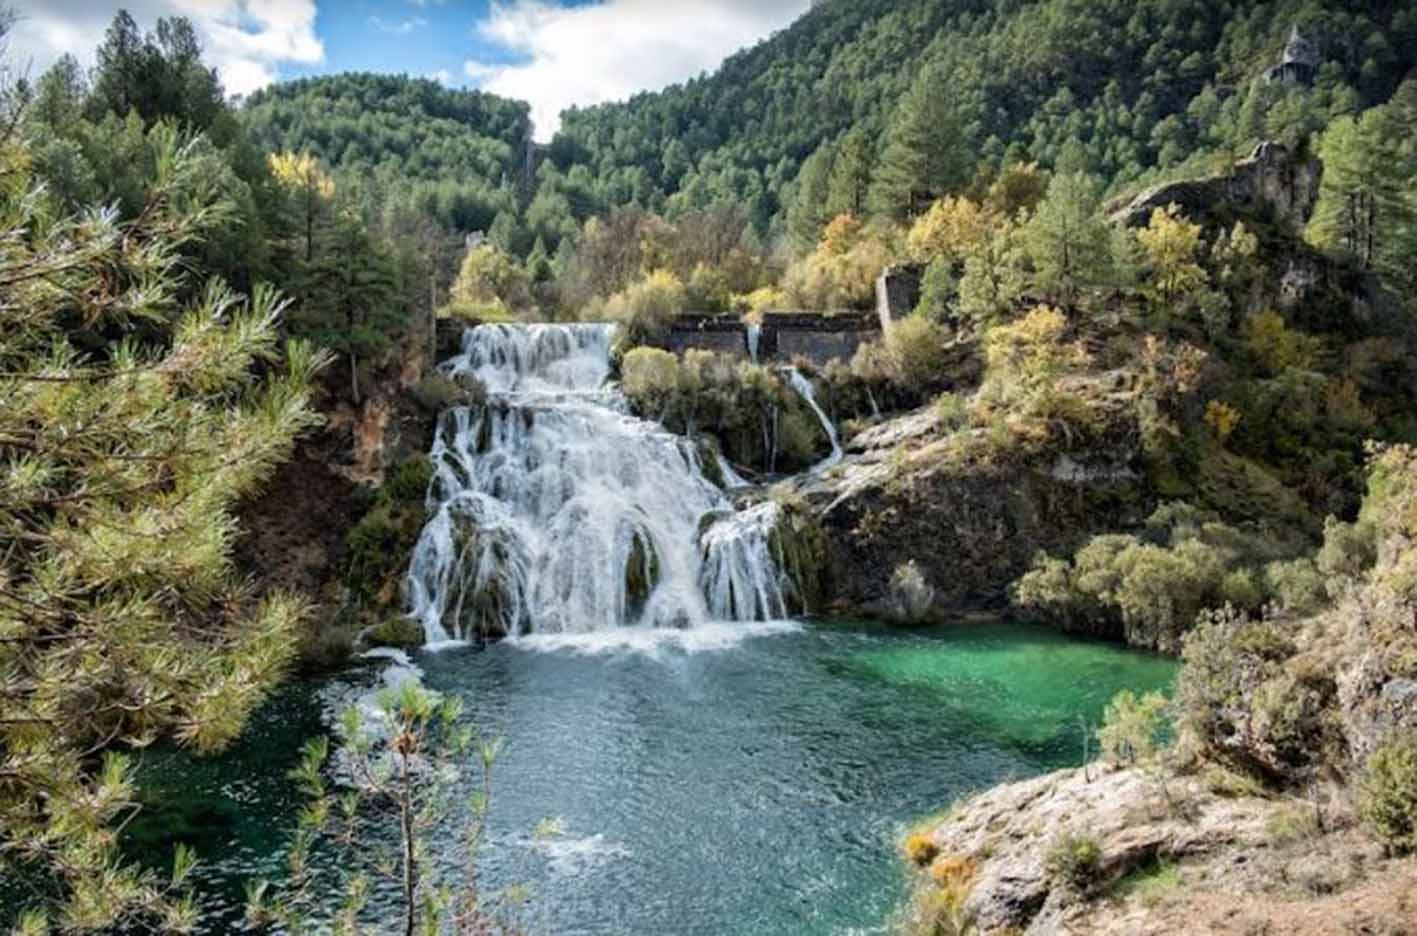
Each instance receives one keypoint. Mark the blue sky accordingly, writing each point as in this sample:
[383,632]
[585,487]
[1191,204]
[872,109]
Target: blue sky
[551,53]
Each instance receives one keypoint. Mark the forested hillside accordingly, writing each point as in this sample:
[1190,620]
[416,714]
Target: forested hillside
[916,94]
[457,156]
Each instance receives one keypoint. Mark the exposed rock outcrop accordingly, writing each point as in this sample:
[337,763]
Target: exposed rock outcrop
[971,527]
[1272,183]
[1170,858]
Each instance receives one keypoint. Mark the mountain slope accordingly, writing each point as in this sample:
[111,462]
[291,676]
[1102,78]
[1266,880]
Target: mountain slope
[1142,85]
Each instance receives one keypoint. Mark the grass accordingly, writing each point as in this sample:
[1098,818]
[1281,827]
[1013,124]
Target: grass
[1231,785]
[1292,823]
[1150,883]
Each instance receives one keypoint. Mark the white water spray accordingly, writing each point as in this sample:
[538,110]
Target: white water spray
[554,511]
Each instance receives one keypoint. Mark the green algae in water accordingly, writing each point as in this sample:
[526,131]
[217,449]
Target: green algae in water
[756,787]
[1018,685]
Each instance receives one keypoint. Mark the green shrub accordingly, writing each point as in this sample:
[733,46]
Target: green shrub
[952,411]
[409,480]
[1231,785]
[916,349]
[650,378]
[647,307]
[1349,549]
[1388,793]
[1133,727]
[1297,585]
[1150,883]
[1075,860]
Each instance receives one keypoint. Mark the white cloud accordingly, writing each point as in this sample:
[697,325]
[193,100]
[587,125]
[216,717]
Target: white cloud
[247,40]
[613,49]
[398,29]
[442,76]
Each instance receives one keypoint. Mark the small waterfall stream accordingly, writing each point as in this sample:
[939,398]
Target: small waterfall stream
[553,510]
[804,389]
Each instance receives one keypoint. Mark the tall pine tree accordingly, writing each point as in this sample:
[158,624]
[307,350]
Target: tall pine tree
[928,151]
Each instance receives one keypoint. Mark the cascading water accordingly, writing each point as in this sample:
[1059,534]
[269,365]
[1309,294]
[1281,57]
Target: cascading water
[555,511]
[804,389]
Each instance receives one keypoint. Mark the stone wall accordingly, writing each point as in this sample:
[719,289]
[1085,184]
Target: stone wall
[820,338]
[897,293]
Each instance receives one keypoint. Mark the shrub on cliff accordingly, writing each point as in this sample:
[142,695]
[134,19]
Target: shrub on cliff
[1151,588]
[1074,860]
[916,347]
[911,597]
[1132,727]
[1388,793]
[650,378]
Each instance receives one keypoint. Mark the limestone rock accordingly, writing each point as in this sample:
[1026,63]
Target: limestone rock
[1272,183]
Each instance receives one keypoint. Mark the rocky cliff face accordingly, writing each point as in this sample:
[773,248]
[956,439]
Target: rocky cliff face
[1272,183]
[297,530]
[970,527]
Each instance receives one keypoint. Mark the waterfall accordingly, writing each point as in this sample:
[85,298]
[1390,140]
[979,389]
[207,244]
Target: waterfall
[553,510]
[755,334]
[804,389]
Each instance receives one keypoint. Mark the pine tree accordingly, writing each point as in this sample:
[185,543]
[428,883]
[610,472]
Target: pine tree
[927,154]
[850,180]
[1367,205]
[1068,239]
[130,427]
[807,214]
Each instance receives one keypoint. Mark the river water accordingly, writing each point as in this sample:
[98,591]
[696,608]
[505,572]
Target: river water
[732,779]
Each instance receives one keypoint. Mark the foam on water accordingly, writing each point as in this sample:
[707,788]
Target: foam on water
[704,638]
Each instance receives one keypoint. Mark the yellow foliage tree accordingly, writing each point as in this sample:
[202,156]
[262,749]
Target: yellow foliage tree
[491,281]
[952,229]
[1172,244]
[1222,418]
[840,235]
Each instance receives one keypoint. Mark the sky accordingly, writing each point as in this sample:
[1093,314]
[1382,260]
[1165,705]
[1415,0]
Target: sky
[550,53]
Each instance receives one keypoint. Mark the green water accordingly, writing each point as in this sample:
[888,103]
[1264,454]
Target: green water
[705,784]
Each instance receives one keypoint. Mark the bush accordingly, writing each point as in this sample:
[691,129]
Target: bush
[911,597]
[1297,586]
[1295,822]
[646,307]
[952,410]
[1075,860]
[1388,793]
[916,347]
[437,392]
[1349,549]
[1132,727]
[649,377]
[920,849]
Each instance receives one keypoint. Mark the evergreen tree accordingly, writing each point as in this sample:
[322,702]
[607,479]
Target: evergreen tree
[131,426]
[1068,239]
[850,180]
[1367,205]
[808,213]
[928,151]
